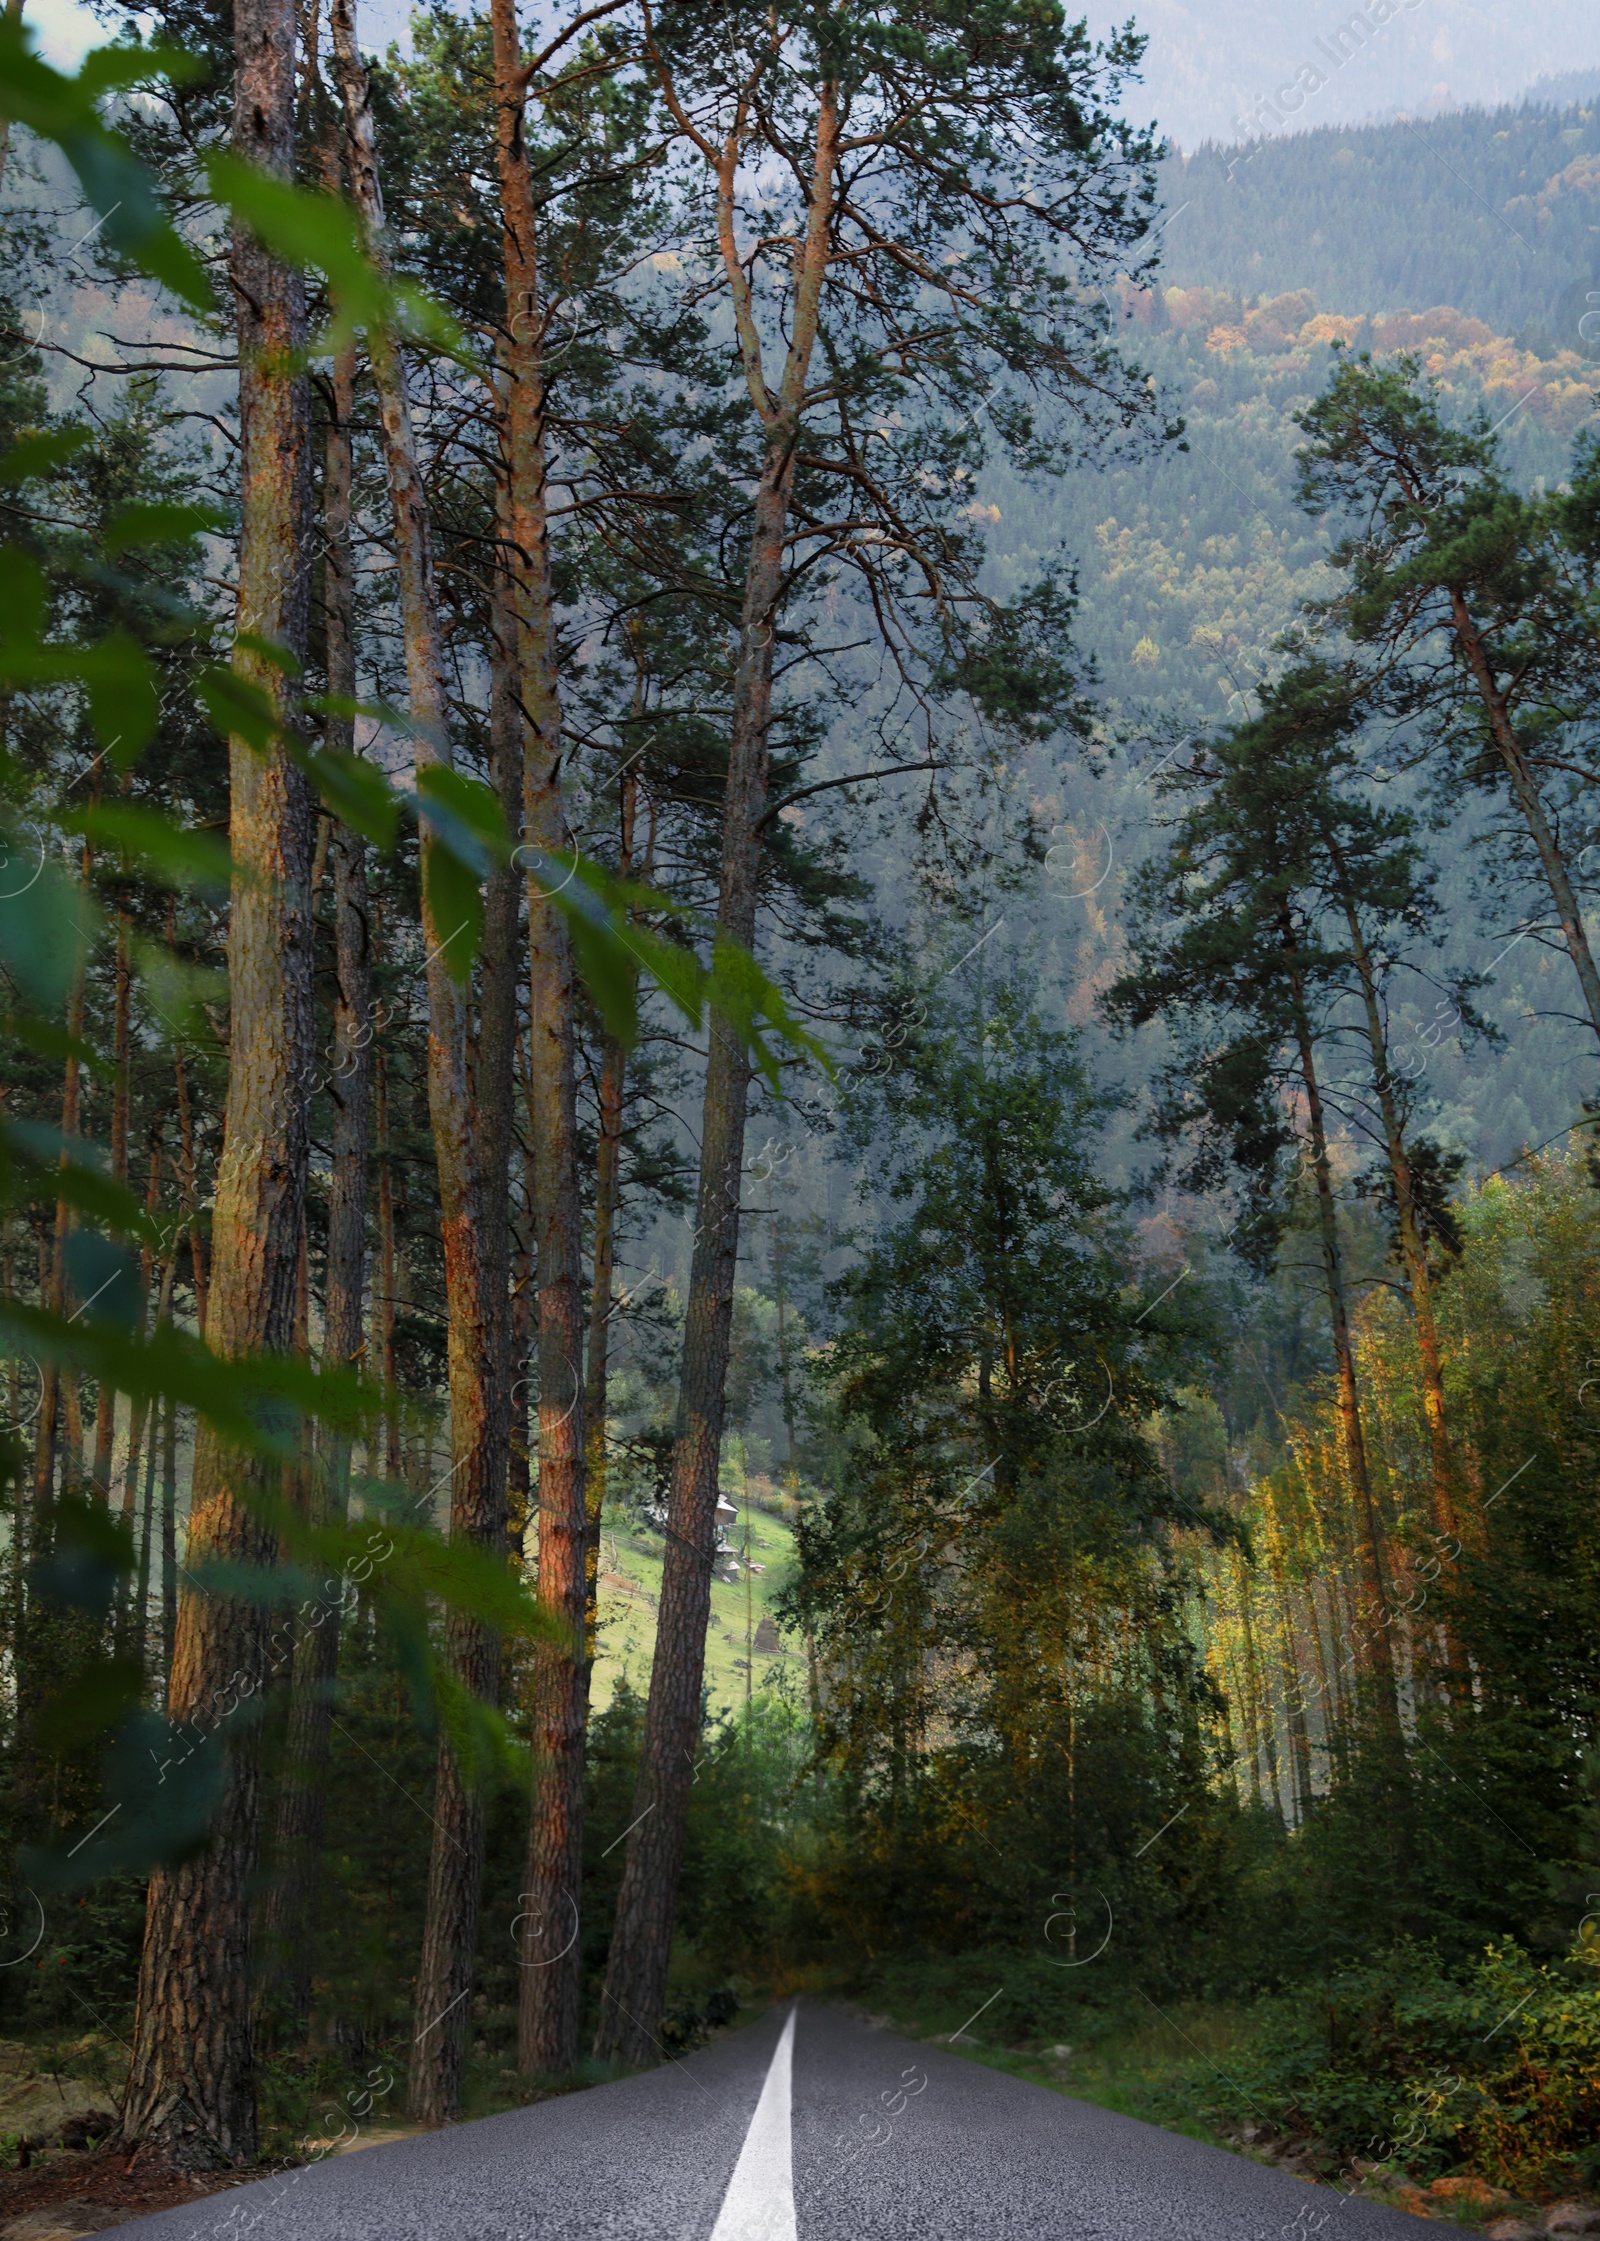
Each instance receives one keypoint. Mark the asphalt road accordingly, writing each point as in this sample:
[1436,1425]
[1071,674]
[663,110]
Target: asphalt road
[808,2126]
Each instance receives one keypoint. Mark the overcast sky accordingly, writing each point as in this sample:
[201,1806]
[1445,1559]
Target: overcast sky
[1212,63]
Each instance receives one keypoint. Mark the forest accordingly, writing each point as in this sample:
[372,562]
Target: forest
[798,1169]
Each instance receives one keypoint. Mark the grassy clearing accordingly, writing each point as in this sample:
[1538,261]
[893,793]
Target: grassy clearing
[630,1587]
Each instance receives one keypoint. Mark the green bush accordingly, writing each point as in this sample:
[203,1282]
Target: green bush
[1493,2067]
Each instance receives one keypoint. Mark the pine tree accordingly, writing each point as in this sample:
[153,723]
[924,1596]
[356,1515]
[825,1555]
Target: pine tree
[862,337]
[190,2086]
[1235,953]
[1482,637]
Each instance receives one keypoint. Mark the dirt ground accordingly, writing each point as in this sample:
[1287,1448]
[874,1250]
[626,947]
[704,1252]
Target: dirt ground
[103,2179]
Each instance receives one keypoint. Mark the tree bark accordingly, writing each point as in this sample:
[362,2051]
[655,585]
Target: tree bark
[1261,1725]
[388,1265]
[547,2033]
[141,1621]
[1525,788]
[636,1972]
[602,1278]
[290,1915]
[602,1284]
[142,1410]
[1374,1650]
[1294,1707]
[191,1180]
[191,2085]
[477,1481]
[169,1547]
[56,1384]
[105,1410]
[1413,1252]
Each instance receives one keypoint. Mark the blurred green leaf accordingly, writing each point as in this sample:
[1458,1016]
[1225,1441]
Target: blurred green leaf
[50,1041]
[179,854]
[464,814]
[272,651]
[33,456]
[105,1692]
[317,231]
[356,791]
[178,991]
[157,525]
[613,947]
[463,830]
[105,1278]
[164,1780]
[123,695]
[24,600]
[340,704]
[238,706]
[453,894]
[62,110]
[91,1553]
[86,1188]
[751,1002]
[45,919]
[256,1401]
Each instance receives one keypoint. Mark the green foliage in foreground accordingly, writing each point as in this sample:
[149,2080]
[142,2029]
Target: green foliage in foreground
[1494,2066]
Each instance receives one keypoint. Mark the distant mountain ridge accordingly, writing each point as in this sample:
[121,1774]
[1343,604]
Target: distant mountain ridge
[1569,89]
[1495,212]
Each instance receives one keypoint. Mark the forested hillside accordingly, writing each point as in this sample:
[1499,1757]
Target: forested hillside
[798,1113]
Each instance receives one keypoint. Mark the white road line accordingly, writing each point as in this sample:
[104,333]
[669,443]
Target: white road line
[759,2203]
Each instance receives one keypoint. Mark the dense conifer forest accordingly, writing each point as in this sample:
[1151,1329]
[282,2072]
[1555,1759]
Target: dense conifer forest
[798,1125]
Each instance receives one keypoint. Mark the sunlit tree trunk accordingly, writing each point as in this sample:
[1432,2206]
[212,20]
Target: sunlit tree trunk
[607,1204]
[477,1480]
[169,1545]
[547,2030]
[190,2086]
[1260,1727]
[1374,1652]
[1413,1251]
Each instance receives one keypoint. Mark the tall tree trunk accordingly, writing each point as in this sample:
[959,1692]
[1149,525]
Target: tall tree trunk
[105,1411]
[141,1622]
[785,1365]
[142,1410]
[1261,1724]
[636,1972]
[1327,1697]
[388,1264]
[519,1466]
[1525,790]
[191,2085]
[1374,1650]
[607,1202]
[59,1384]
[547,2032]
[1294,1706]
[477,1504]
[292,1899]
[169,1547]
[1413,1251]
[191,1179]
